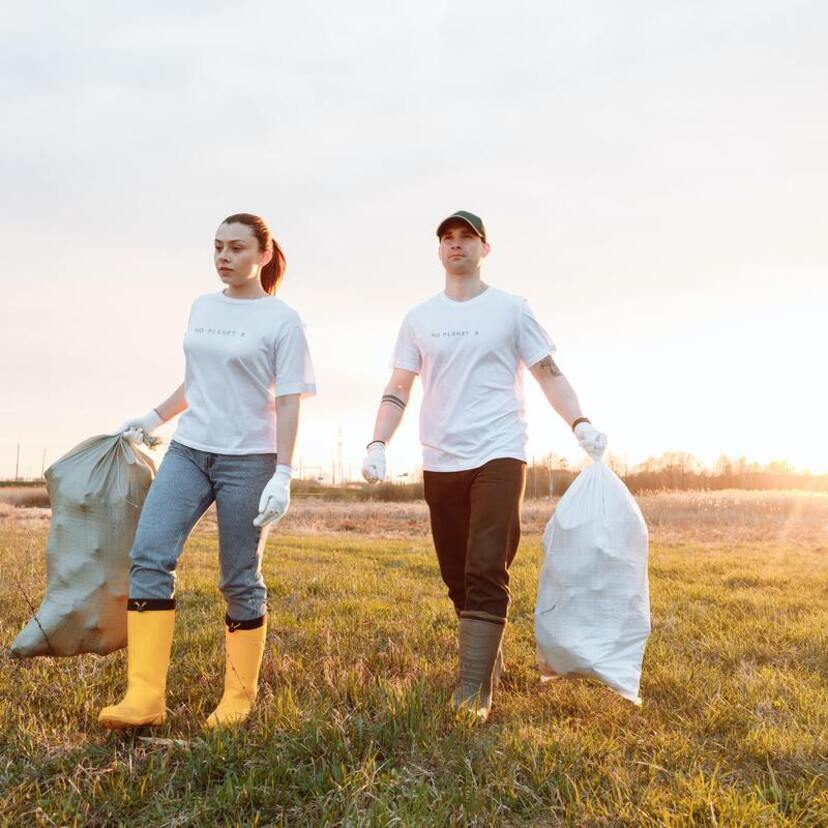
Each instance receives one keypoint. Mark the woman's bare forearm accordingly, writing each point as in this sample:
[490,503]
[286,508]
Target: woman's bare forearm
[287,427]
[173,405]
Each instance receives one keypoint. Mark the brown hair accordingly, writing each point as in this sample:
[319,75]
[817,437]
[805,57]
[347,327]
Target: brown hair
[273,272]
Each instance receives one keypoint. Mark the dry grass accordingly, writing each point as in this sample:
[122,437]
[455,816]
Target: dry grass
[673,517]
[24,496]
[734,515]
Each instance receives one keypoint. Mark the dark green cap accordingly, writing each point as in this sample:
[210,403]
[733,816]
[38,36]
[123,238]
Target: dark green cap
[475,222]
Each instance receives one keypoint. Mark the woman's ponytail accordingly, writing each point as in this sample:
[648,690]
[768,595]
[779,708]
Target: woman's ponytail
[273,272]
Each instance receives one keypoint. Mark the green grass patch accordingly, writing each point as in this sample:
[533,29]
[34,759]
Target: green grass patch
[353,728]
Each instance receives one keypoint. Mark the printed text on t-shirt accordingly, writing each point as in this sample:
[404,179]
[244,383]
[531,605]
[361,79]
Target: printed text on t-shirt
[454,333]
[218,331]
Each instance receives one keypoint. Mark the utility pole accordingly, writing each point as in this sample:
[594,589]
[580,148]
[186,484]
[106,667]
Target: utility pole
[43,463]
[339,453]
[17,463]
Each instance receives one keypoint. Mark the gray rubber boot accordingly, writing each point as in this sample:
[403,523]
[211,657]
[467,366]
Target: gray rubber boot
[500,663]
[479,646]
[499,667]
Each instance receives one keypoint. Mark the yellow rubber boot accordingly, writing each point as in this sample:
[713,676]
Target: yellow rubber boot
[149,640]
[245,648]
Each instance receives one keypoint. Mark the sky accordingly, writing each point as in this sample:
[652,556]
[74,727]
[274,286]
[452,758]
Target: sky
[652,176]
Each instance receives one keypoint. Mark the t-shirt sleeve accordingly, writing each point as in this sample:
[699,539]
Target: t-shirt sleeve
[406,353]
[292,363]
[534,343]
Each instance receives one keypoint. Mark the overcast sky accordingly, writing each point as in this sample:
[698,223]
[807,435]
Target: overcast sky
[652,176]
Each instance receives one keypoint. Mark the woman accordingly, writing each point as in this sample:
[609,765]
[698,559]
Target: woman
[247,366]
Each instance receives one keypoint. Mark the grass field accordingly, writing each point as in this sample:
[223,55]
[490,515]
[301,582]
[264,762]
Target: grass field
[352,725]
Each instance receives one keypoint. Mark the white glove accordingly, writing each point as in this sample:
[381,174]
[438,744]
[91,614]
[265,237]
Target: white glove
[592,441]
[373,466]
[275,498]
[138,428]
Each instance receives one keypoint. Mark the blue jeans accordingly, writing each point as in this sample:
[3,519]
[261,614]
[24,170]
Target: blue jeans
[187,482]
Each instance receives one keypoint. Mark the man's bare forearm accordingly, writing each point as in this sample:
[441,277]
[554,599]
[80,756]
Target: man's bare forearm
[174,404]
[391,410]
[393,403]
[287,426]
[556,388]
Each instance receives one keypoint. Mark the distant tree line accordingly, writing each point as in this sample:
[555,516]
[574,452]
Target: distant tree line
[678,470]
[552,476]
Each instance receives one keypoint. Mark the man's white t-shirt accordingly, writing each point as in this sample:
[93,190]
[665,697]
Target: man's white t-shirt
[240,355]
[470,357]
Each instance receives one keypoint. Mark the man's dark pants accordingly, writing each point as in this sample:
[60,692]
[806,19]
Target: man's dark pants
[475,522]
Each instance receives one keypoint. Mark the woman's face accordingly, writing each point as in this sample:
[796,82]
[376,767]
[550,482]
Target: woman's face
[237,254]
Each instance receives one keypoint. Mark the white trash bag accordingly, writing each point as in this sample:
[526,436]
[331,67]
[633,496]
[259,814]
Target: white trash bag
[592,616]
[96,491]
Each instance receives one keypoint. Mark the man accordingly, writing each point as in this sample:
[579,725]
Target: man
[469,344]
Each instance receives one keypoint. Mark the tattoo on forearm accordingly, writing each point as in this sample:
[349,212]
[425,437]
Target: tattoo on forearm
[547,365]
[390,398]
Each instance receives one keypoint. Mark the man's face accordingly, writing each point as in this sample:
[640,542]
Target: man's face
[461,249]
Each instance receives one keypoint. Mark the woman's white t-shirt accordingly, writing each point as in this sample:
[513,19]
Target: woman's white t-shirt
[240,355]
[470,356]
